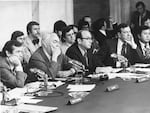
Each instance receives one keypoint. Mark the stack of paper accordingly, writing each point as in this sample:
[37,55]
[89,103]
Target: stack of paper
[75,87]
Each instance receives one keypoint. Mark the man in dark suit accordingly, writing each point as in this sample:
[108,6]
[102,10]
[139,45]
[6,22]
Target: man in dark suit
[50,60]
[11,70]
[121,49]
[143,46]
[101,33]
[138,16]
[80,51]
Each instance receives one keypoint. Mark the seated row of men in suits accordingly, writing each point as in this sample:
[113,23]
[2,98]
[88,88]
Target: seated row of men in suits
[50,59]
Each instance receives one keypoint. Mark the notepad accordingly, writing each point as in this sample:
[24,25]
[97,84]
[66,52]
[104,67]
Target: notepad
[87,87]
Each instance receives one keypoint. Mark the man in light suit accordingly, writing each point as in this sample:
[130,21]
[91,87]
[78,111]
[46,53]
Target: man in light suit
[50,59]
[33,40]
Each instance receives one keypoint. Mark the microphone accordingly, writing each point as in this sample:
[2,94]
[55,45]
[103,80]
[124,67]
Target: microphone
[118,57]
[40,74]
[78,65]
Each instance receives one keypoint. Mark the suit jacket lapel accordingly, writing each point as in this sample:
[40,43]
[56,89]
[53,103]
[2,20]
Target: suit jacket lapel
[81,56]
[44,57]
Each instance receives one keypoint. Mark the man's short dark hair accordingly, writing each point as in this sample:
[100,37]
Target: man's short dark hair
[82,23]
[9,47]
[98,24]
[141,28]
[16,34]
[140,3]
[120,26]
[29,26]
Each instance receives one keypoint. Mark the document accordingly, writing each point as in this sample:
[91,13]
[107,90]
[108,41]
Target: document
[145,70]
[86,87]
[36,85]
[127,75]
[16,92]
[29,100]
[26,108]
[142,65]
[35,108]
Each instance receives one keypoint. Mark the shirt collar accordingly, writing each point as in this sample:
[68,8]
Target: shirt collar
[143,45]
[120,41]
[103,32]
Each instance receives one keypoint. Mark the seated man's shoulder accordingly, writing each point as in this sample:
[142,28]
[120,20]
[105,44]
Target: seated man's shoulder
[37,53]
[3,62]
[71,49]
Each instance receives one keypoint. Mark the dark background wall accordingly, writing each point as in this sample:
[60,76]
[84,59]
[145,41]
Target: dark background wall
[94,8]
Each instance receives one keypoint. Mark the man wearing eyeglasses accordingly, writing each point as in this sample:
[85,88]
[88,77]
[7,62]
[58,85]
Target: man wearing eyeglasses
[81,52]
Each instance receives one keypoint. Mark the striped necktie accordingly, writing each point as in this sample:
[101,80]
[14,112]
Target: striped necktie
[124,49]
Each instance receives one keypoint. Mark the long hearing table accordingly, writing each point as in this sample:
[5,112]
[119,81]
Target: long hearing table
[131,97]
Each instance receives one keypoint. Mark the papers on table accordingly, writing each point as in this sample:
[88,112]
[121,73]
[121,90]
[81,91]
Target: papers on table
[57,84]
[35,108]
[16,92]
[103,69]
[36,85]
[141,65]
[86,87]
[29,100]
[107,70]
[127,75]
[145,70]
[26,108]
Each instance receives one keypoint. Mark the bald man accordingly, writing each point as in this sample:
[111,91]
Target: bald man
[49,59]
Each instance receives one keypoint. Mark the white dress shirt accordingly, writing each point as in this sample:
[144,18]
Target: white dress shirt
[119,48]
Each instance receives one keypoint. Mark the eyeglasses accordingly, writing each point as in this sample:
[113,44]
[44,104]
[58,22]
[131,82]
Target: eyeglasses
[87,38]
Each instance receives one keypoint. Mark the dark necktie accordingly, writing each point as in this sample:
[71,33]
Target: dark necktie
[124,49]
[35,41]
[146,50]
[86,58]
